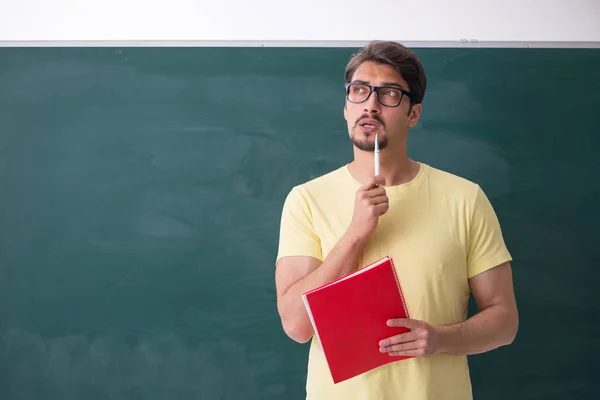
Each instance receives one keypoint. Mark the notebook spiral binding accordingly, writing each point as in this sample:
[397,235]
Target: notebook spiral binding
[399,288]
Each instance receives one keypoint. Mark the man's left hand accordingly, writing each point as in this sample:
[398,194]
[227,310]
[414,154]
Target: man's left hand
[422,340]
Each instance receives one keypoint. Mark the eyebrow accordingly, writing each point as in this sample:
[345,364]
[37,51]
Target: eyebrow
[392,84]
[395,84]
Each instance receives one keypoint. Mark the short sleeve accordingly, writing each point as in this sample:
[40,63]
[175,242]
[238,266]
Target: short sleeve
[486,246]
[297,236]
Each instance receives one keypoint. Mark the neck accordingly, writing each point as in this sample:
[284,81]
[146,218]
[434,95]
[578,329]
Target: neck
[395,166]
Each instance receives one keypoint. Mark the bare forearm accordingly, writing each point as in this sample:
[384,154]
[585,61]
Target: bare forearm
[490,328]
[340,261]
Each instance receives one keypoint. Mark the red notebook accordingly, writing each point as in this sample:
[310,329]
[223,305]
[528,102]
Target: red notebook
[349,317]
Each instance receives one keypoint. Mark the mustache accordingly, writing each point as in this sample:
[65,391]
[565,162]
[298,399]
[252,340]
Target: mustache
[375,117]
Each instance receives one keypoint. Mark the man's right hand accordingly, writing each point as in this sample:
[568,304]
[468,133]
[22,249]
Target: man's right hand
[370,203]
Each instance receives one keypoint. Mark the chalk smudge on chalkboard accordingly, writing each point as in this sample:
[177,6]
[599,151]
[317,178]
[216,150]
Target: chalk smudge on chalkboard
[266,171]
[109,367]
[116,287]
[204,129]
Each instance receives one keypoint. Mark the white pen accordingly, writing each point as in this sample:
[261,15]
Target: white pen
[376,156]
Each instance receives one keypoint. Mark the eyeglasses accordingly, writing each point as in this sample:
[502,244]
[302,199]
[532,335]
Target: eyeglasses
[389,96]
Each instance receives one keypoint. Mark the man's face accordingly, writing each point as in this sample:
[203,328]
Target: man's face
[371,117]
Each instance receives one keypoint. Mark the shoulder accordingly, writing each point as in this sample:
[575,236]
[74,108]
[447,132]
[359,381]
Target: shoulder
[305,201]
[462,195]
[452,185]
[328,182]
[322,186]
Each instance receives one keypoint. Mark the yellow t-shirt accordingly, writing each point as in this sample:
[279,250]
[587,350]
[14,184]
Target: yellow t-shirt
[440,230]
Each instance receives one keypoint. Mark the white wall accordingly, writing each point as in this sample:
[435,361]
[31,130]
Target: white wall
[426,22]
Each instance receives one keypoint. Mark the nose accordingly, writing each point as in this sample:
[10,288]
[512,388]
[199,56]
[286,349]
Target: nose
[372,105]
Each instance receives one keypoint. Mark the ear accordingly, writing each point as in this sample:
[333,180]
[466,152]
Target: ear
[345,112]
[414,115]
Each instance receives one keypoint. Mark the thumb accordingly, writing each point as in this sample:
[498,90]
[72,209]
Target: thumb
[379,180]
[373,182]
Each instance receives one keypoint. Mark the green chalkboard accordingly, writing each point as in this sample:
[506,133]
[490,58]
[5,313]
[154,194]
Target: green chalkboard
[141,190]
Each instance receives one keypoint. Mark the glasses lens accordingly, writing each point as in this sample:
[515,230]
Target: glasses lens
[389,96]
[358,93]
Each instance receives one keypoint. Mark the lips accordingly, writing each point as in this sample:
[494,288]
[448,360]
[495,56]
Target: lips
[369,123]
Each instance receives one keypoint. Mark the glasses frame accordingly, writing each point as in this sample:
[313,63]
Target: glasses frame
[375,89]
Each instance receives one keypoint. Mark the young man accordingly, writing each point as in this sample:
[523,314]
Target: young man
[440,229]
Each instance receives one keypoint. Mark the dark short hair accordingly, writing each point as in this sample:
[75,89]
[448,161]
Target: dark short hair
[404,60]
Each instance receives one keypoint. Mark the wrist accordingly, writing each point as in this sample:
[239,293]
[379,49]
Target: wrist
[355,240]
[445,337]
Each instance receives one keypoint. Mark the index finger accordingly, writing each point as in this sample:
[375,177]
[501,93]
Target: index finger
[400,338]
[405,322]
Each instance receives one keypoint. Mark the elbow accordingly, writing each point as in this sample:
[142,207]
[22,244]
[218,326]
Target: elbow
[514,328]
[510,337]
[297,331]
[295,323]
[513,334]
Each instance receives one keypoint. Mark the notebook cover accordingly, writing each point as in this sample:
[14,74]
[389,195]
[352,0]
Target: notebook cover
[349,318]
